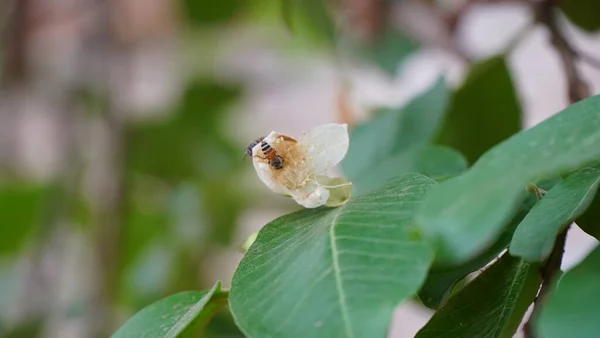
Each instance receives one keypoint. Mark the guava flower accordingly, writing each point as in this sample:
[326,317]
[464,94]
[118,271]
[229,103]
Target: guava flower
[306,163]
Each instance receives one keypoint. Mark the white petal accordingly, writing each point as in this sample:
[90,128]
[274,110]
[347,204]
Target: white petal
[312,196]
[326,145]
[266,176]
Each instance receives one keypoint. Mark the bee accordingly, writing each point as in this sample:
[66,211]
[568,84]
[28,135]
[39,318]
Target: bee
[251,146]
[275,160]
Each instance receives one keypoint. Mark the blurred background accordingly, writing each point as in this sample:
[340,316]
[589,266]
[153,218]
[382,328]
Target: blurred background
[123,125]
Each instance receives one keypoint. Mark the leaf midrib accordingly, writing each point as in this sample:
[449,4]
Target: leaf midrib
[592,189]
[508,309]
[177,328]
[337,273]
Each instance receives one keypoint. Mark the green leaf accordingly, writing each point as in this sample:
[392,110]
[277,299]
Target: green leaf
[389,50]
[394,130]
[313,17]
[583,13]
[222,326]
[20,211]
[201,13]
[463,215]
[535,236]
[332,272]
[590,220]
[179,315]
[188,142]
[432,161]
[572,308]
[441,279]
[484,111]
[491,306]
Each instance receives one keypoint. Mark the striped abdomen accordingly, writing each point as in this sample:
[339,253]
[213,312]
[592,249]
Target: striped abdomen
[267,150]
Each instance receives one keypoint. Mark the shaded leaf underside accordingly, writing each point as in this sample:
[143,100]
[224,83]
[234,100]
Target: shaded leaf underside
[491,306]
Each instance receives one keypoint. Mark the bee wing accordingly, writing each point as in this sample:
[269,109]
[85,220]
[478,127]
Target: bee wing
[327,145]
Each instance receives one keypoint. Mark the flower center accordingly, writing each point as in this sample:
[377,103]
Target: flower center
[297,168]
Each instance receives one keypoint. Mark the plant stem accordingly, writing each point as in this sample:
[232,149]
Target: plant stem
[578,89]
[546,15]
[549,272]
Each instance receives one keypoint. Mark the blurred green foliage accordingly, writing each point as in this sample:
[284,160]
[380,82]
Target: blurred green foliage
[20,213]
[389,50]
[202,13]
[191,141]
[583,13]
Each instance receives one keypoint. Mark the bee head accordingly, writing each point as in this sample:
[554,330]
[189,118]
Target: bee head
[251,146]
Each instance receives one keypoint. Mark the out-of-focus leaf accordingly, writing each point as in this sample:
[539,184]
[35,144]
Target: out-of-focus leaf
[393,131]
[583,13]
[464,215]
[389,50]
[180,315]
[20,209]
[535,236]
[142,227]
[572,308]
[145,226]
[431,161]
[313,14]
[328,272]
[187,142]
[31,328]
[222,205]
[149,274]
[491,306]
[201,13]
[484,111]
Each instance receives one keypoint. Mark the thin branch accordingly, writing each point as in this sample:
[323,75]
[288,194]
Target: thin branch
[589,59]
[15,48]
[549,273]
[578,90]
[546,14]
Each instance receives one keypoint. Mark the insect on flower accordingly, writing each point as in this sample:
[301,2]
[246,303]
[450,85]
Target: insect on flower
[298,168]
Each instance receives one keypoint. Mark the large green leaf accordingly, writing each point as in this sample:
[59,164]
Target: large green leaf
[179,315]
[583,13]
[393,131]
[441,279]
[432,161]
[20,209]
[491,306]
[334,272]
[463,215]
[573,307]
[485,110]
[535,236]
